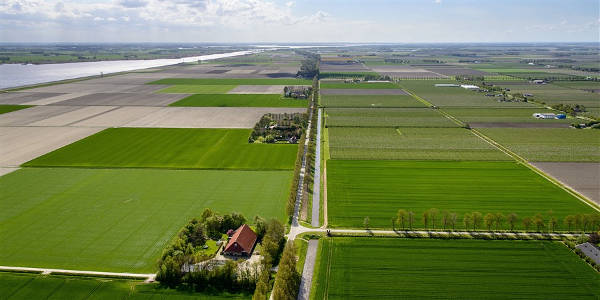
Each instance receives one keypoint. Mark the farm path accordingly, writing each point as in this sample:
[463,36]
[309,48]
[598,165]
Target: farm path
[45,271]
[316,200]
[307,272]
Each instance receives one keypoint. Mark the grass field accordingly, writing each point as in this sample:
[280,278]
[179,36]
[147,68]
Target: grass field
[549,144]
[171,148]
[342,74]
[410,143]
[120,220]
[581,85]
[17,286]
[197,89]
[369,101]
[503,115]
[239,100]
[385,268]
[377,189]
[553,94]
[4,108]
[454,96]
[387,117]
[362,85]
[232,81]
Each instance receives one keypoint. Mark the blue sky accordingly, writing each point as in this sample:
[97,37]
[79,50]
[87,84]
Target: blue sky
[299,21]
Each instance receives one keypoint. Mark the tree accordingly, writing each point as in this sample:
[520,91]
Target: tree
[569,221]
[197,236]
[393,223]
[426,219]
[552,223]
[260,226]
[489,221]
[453,220]
[587,221]
[287,282]
[538,220]
[207,213]
[366,222]
[467,220]
[401,217]
[512,219]
[527,223]
[433,214]
[411,219]
[498,219]
[579,221]
[445,219]
[477,218]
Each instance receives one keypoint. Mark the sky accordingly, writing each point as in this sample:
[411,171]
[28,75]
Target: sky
[284,21]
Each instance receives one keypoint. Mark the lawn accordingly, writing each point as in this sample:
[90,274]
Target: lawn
[239,100]
[120,220]
[454,96]
[410,143]
[232,81]
[377,189]
[186,148]
[5,108]
[197,89]
[503,115]
[32,286]
[369,101]
[386,268]
[361,85]
[549,144]
[386,117]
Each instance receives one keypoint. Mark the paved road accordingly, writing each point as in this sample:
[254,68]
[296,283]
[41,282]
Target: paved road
[316,201]
[147,277]
[308,271]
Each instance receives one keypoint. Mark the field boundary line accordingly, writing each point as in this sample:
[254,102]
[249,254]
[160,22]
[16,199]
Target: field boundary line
[47,271]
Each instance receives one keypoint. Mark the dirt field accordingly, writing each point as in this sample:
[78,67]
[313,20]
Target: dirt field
[452,71]
[84,87]
[118,117]
[4,171]
[519,125]
[30,115]
[582,177]
[363,92]
[207,117]
[257,89]
[21,144]
[24,97]
[75,116]
[125,99]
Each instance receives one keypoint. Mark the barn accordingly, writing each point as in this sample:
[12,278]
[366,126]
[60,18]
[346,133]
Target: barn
[241,242]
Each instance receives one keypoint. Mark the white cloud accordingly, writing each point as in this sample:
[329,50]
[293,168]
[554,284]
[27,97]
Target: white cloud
[437,1]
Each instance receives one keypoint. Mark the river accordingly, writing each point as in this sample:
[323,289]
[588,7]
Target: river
[15,75]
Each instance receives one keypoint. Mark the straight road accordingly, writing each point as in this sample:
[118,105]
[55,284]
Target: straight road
[316,200]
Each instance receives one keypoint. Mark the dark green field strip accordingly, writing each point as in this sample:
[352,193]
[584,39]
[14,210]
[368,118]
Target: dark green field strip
[370,101]
[362,85]
[549,144]
[377,189]
[410,143]
[388,117]
[342,74]
[120,220]
[231,81]
[5,108]
[171,148]
[16,286]
[239,100]
[503,115]
[385,268]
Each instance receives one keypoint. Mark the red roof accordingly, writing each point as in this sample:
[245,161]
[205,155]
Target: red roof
[242,241]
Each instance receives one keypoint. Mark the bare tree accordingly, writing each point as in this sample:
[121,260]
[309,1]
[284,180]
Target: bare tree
[426,219]
[433,213]
[538,220]
[512,218]
[569,221]
[445,219]
[527,223]
[453,220]
[477,219]
[401,217]
[366,222]
[467,220]
[498,219]
[489,221]
[411,219]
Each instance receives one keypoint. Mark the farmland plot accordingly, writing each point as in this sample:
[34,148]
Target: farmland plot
[504,115]
[369,101]
[239,100]
[388,117]
[232,81]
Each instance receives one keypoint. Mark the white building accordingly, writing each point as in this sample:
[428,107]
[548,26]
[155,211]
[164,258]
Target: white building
[544,115]
[469,86]
[446,85]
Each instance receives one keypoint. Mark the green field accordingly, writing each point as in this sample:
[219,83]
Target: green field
[549,144]
[386,117]
[23,286]
[410,143]
[454,96]
[4,108]
[553,94]
[386,268]
[349,74]
[503,115]
[197,89]
[120,220]
[369,101]
[171,148]
[377,189]
[239,100]
[580,85]
[231,81]
[361,85]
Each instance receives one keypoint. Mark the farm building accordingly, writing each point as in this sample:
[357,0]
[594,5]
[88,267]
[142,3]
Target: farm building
[591,251]
[539,81]
[241,242]
[549,116]
[297,92]
[469,86]
[446,85]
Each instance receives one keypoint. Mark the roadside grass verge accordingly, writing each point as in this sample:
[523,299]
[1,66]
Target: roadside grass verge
[409,144]
[359,268]
[549,144]
[369,101]
[120,220]
[377,189]
[6,108]
[184,148]
[388,117]
[239,100]
[231,81]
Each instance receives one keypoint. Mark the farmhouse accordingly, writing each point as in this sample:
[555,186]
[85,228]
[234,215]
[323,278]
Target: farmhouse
[469,86]
[241,242]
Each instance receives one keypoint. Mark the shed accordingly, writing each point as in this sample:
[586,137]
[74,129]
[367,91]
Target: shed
[590,250]
[241,242]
